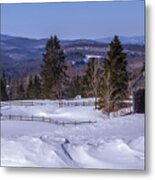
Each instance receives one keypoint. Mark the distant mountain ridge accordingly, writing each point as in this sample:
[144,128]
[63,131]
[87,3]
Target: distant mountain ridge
[139,40]
[21,55]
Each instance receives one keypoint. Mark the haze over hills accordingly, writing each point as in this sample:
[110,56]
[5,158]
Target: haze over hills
[125,40]
[20,56]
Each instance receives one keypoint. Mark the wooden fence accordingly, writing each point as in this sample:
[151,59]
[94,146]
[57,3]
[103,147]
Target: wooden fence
[76,103]
[22,103]
[60,103]
[44,119]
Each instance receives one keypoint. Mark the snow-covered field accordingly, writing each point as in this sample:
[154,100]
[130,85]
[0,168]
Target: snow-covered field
[116,143]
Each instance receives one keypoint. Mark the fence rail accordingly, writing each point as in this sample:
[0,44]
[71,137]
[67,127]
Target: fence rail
[60,103]
[76,103]
[44,119]
[22,103]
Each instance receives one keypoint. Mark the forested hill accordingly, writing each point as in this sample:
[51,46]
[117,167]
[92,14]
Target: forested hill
[21,56]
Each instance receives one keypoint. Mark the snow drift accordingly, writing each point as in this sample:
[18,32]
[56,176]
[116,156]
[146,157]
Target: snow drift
[116,143]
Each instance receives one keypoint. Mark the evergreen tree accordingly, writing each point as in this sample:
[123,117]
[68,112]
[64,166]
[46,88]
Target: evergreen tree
[30,89]
[53,71]
[21,94]
[37,87]
[3,90]
[91,79]
[114,80]
[14,89]
[34,88]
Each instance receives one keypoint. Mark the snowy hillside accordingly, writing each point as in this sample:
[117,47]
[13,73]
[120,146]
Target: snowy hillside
[116,143]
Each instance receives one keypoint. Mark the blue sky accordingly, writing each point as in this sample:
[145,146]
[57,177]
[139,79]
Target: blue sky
[73,20]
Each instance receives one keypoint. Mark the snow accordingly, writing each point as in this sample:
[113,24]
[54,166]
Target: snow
[138,144]
[88,56]
[116,143]
[51,109]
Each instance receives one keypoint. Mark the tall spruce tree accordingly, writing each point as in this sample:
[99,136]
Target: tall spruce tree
[53,70]
[91,79]
[114,80]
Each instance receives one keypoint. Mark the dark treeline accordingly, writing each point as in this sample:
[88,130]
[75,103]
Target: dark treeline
[21,88]
[3,88]
[106,80]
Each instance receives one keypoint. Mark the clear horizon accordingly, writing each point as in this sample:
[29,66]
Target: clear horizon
[77,20]
[69,39]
